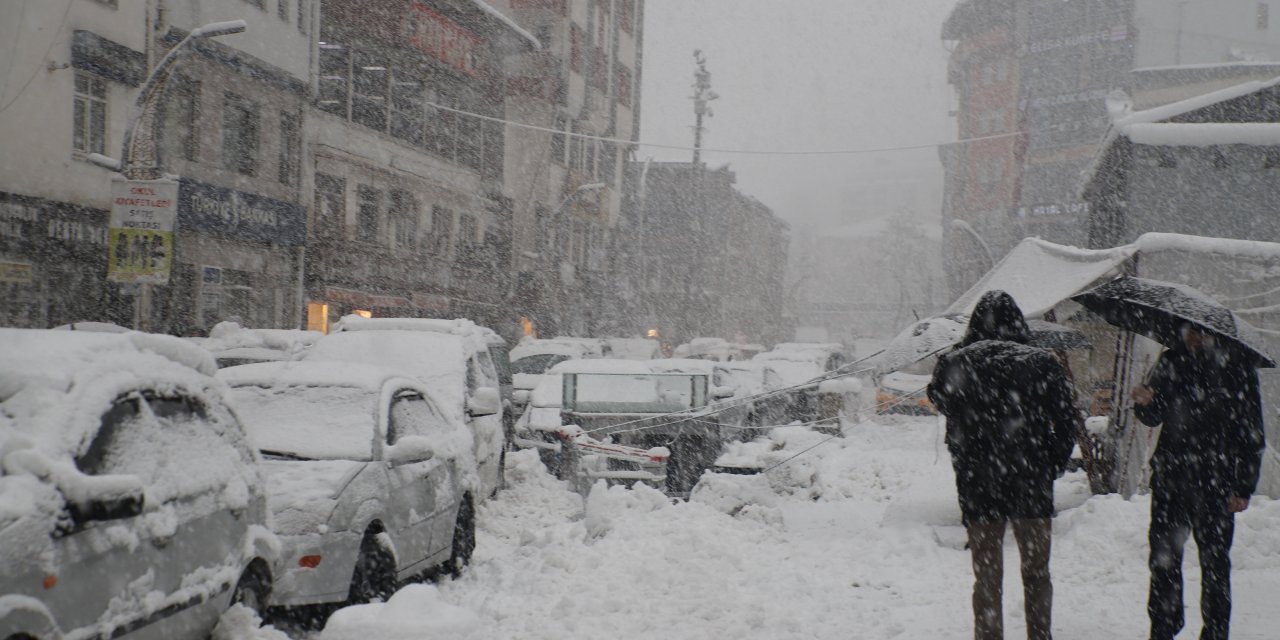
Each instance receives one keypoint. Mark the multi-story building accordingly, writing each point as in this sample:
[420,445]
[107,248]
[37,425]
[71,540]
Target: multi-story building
[698,258]
[405,161]
[581,95]
[230,129]
[1068,58]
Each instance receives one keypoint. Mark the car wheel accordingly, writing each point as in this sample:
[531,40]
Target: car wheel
[374,577]
[253,590]
[464,538]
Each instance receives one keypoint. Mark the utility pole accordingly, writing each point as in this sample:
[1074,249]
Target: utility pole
[702,94]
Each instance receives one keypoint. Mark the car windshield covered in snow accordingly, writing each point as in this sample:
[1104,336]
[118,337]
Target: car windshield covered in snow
[633,393]
[538,363]
[320,422]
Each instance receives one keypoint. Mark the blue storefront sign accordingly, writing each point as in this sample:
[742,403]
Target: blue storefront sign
[237,214]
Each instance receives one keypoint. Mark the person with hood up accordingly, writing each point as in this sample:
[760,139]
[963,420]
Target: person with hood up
[1011,423]
[1204,470]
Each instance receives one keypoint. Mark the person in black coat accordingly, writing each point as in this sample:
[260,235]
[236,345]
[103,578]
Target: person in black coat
[1204,469]
[1011,423]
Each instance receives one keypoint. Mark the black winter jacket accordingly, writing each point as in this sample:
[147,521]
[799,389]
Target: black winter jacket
[1011,421]
[1211,412]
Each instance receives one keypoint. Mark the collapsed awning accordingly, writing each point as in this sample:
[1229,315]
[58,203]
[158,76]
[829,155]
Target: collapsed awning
[1040,274]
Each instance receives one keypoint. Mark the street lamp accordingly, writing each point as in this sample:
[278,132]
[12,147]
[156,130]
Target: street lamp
[961,225]
[149,194]
[138,157]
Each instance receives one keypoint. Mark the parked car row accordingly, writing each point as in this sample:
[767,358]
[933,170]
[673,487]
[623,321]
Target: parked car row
[143,490]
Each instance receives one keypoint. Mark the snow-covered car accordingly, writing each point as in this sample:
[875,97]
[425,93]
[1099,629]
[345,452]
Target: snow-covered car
[633,348]
[534,356]
[131,503]
[757,385]
[630,403]
[232,344]
[369,482]
[454,364]
[904,393]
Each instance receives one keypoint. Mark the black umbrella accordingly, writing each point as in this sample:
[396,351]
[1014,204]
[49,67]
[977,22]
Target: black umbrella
[1051,335]
[1158,310]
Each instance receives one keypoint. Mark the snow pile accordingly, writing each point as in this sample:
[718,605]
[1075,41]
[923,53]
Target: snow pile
[605,505]
[743,496]
[414,612]
[241,623]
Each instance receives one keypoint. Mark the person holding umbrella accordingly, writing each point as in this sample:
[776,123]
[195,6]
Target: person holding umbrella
[1203,392]
[1204,469]
[1011,423]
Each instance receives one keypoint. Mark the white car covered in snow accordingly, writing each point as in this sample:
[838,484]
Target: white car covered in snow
[369,481]
[454,364]
[531,359]
[130,500]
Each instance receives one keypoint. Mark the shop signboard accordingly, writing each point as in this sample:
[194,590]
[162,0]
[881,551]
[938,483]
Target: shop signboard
[140,234]
[240,214]
[16,272]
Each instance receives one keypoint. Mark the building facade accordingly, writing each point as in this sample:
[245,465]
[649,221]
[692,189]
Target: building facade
[1070,59]
[700,259]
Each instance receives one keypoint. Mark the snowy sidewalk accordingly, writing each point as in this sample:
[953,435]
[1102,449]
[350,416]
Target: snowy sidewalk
[864,542]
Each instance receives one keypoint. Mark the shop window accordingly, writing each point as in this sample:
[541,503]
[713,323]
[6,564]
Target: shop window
[369,88]
[330,205]
[180,116]
[369,200]
[289,143]
[441,227]
[318,317]
[335,71]
[89,128]
[239,135]
[403,216]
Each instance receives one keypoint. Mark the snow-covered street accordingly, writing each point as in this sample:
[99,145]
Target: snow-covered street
[863,542]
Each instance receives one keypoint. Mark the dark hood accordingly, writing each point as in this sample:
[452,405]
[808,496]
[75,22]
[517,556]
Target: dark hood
[996,317]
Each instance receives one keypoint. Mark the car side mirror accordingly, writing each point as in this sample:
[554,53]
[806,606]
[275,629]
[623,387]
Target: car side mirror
[101,498]
[409,450]
[720,393]
[486,401]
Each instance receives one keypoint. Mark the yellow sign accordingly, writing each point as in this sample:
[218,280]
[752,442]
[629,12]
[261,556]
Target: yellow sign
[140,237]
[19,272]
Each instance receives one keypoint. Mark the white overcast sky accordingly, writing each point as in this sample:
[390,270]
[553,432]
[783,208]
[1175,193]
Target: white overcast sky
[807,74]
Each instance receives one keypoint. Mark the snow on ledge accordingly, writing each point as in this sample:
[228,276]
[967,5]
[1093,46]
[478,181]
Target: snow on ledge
[1255,249]
[1203,134]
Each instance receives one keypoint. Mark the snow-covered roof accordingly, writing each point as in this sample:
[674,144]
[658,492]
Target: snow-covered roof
[478,337]
[1039,274]
[548,348]
[1204,134]
[683,365]
[1181,107]
[308,374]
[634,348]
[601,365]
[438,360]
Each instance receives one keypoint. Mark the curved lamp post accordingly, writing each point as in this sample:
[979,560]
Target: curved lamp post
[961,225]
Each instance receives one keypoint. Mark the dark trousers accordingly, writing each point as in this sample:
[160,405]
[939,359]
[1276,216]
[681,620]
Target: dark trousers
[1174,515]
[986,542]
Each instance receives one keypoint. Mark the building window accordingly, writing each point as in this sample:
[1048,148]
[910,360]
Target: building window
[407,104]
[261,4]
[627,15]
[1264,17]
[331,209]
[468,230]
[239,135]
[577,48]
[335,71]
[369,88]
[282,9]
[558,139]
[441,226]
[179,138]
[622,80]
[89,130]
[289,144]
[404,220]
[304,17]
[369,200]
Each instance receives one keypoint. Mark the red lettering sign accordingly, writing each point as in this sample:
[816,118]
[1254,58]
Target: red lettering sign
[440,38]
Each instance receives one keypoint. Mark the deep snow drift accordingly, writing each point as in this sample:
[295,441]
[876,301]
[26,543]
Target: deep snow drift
[857,538]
